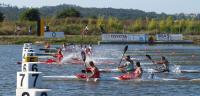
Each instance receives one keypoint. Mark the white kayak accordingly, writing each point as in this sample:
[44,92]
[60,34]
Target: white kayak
[45,56]
[152,70]
[76,78]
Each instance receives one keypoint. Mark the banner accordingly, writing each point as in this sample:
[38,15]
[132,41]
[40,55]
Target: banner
[54,35]
[176,37]
[162,37]
[124,37]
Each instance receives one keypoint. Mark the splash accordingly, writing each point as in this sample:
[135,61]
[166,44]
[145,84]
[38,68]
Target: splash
[67,57]
[176,68]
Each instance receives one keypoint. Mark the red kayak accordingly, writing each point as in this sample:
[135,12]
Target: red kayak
[127,76]
[122,77]
[49,61]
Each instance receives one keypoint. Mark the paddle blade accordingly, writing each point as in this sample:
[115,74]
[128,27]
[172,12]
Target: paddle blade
[125,48]
[19,62]
[86,71]
[149,57]
[83,56]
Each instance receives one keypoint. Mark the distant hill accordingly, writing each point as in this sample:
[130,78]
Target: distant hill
[12,12]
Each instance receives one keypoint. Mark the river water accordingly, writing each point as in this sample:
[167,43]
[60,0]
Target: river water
[179,56]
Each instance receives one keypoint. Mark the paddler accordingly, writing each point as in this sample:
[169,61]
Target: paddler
[164,65]
[47,45]
[128,66]
[138,71]
[94,71]
[87,51]
[64,47]
[59,55]
[136,74]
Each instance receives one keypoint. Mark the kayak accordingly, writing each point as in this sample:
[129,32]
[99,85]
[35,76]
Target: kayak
[80,77]
[81,62]
[48,50]
[44,54]
[44,49]
[147,71]
[83,77]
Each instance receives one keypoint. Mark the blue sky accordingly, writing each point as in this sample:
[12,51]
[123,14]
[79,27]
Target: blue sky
[167,6]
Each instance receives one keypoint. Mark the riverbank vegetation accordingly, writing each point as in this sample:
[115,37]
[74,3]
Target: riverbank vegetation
[76,39]
[75,25]
[72,20]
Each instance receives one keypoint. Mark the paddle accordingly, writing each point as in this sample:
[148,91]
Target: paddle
[84,71]
[83,55]
[125,49]
[149,57]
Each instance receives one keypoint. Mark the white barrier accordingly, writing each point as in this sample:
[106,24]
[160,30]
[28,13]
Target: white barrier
[140,37]
[176,37]
[33,92]
[162,37]
[124,37]
[169,37]
[54,35]
[27,80]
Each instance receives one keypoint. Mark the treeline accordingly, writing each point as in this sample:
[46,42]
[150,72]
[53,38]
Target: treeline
[72,20]
[13,12]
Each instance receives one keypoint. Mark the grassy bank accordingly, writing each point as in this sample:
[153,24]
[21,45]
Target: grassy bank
[77,39]
[74,26]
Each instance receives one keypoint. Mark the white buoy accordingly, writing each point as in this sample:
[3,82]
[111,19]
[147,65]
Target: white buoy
[30,66]
[33,92]
[27,80]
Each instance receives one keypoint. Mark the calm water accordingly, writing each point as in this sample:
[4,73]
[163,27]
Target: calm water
[186,56]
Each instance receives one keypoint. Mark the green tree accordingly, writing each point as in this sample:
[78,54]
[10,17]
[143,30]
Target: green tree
[100,21]
[137,26]
[169,23]
[30,15]
[114,25]
[162,26]
[191,26]
[71,12]
[152,24]
[1,17]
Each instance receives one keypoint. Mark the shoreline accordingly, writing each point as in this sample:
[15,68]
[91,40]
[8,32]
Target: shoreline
[76,39]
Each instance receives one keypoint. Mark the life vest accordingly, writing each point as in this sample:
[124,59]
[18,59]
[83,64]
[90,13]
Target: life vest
[97,74]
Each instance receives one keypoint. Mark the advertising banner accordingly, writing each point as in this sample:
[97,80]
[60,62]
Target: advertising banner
[124,37]
[162,37]
[176,37]
[54,35]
